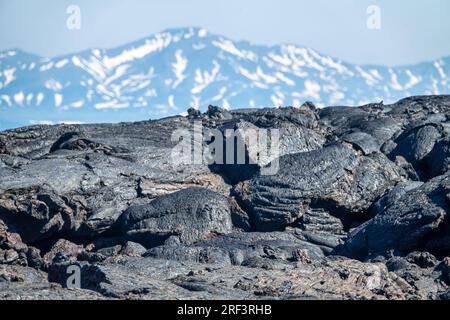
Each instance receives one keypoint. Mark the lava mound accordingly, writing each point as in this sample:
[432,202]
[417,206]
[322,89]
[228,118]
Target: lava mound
[356,207]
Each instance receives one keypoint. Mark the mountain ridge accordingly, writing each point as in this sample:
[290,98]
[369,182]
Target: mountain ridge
[245,41]
[167,72]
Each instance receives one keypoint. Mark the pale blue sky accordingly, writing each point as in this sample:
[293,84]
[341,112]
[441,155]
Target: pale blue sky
[412,30]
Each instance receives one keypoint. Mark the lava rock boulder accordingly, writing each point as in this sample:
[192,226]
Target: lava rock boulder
[188,215]
[415,220]
[336,178]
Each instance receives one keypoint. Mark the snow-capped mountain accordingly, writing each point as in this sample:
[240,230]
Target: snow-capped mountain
[168,72]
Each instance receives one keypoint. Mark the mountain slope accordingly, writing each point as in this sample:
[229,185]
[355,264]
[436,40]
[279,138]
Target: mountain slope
[168,72]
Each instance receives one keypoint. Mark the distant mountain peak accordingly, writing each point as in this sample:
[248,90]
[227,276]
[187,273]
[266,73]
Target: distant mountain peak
[167,72]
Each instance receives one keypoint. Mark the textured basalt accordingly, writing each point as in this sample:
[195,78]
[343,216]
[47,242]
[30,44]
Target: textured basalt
[358,209]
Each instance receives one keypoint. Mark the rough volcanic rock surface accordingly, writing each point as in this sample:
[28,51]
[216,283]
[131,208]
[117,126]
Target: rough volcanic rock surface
[409,223]
[358,207]
[188,215]
[334,177]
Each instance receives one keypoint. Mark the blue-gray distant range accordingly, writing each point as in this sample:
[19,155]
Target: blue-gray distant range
[168,72]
